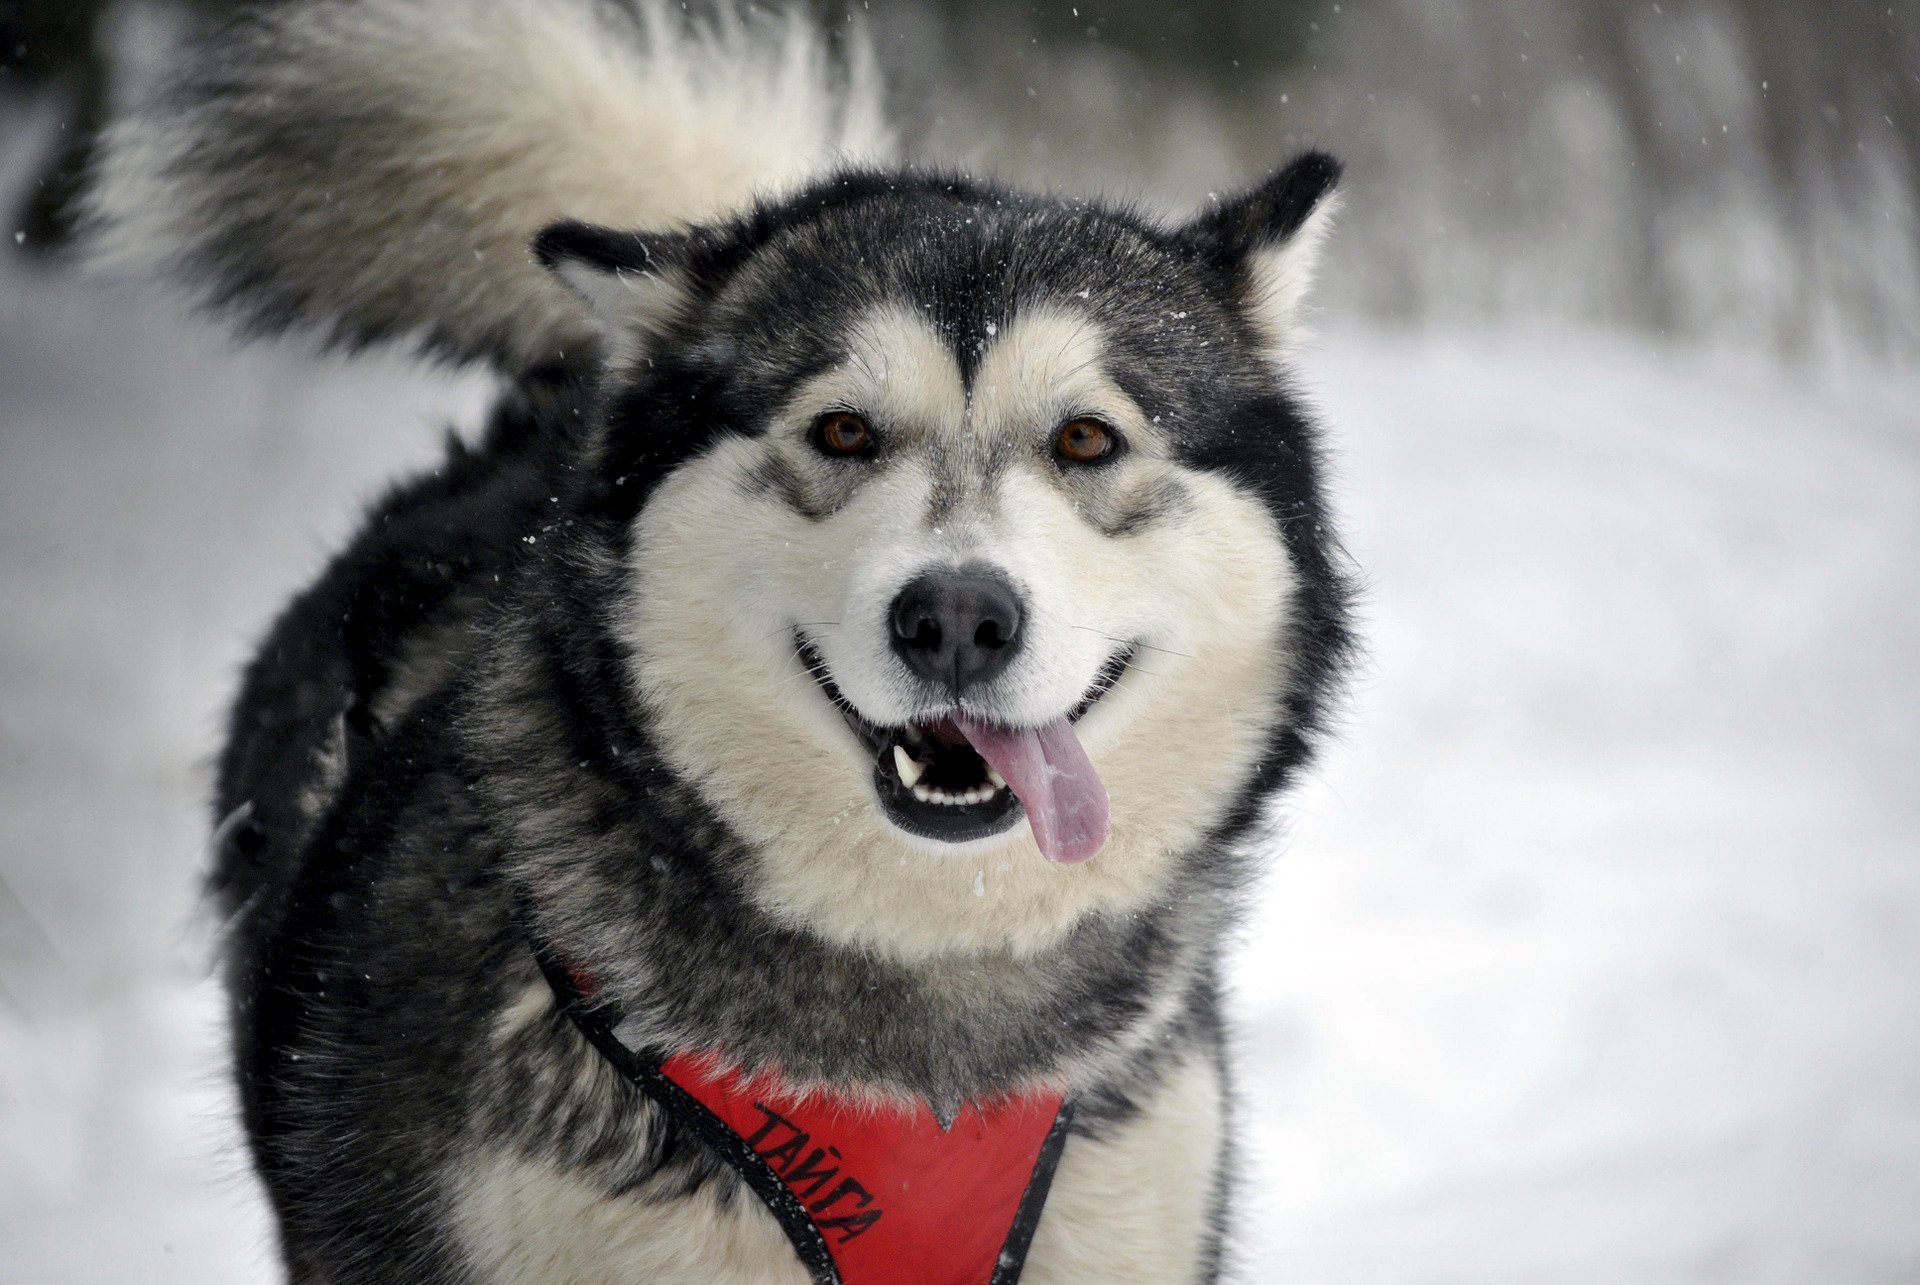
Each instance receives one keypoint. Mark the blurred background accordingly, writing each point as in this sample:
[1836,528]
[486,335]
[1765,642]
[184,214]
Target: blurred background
[1590,951]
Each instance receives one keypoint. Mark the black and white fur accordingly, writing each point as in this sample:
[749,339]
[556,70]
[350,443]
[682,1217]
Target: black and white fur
[613,660]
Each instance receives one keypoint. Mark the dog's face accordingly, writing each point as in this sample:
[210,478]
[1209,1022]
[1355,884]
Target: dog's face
[955,539]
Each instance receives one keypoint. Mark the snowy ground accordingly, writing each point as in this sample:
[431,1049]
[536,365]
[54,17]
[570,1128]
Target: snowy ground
[1594,955]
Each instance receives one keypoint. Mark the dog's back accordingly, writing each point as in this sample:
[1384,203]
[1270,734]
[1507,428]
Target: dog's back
[390,620]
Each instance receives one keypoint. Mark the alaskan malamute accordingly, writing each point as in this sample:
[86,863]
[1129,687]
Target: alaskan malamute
[769,810]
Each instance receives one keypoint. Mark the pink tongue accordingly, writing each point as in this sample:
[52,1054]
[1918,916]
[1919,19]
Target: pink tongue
[1045,766]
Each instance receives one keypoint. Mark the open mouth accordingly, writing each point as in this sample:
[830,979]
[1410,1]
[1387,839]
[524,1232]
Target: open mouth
[934,778]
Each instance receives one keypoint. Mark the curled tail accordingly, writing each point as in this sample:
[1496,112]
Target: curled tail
[377,169]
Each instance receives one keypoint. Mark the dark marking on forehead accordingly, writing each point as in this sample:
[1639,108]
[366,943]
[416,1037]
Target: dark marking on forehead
[973,306]
[959,284]
[966,259]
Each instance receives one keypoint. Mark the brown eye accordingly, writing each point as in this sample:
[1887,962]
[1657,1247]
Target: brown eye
[1085,441]
[842,433]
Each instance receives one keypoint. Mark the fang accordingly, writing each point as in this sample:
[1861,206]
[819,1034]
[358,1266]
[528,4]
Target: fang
[910,768]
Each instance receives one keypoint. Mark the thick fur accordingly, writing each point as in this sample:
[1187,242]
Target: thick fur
[612,662]
[376,169]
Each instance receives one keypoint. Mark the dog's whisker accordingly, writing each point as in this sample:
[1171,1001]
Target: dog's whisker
[1135,642]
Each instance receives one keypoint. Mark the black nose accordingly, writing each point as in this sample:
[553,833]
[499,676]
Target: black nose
[958,626]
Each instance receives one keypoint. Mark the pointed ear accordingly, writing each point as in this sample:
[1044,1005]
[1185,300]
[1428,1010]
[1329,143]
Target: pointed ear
[1269,240]
[632,283]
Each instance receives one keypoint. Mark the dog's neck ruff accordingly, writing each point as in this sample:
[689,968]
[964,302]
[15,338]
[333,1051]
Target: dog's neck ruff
[867,1194]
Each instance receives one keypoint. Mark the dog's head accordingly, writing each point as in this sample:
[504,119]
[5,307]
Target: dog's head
[973,553]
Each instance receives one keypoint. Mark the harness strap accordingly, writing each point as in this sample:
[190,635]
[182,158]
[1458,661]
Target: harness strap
[867,1194]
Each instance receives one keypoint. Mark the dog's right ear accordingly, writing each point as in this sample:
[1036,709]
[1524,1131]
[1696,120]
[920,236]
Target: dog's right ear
[634,284]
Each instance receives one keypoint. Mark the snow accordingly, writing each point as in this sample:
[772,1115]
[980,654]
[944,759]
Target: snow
[1592,954]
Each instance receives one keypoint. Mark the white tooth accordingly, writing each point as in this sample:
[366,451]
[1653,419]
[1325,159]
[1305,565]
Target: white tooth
[910,768]
[923,793]
[999,782]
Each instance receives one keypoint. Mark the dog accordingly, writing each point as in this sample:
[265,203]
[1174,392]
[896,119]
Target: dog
[769,807]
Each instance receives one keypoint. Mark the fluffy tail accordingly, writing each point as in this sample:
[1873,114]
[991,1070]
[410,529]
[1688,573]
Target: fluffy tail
[376,169]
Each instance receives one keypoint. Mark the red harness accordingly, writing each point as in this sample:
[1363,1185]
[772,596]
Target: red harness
[869,1195]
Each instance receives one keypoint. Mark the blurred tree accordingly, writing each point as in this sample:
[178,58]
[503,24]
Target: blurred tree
[60,49]
[1204,37]
[53,46]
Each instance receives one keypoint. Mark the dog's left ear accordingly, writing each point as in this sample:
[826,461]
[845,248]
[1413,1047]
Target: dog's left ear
[1268,239]
[632,284]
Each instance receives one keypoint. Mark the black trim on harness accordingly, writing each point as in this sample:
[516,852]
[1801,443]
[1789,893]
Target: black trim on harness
[596,1022]
[1013,1253]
